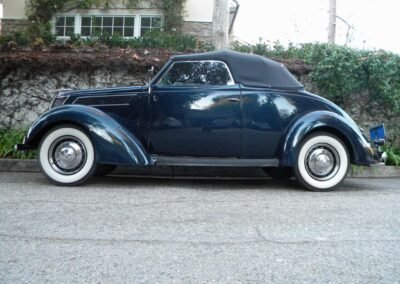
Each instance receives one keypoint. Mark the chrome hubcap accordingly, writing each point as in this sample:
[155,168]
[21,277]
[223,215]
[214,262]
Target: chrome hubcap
[322,162]
[67,155]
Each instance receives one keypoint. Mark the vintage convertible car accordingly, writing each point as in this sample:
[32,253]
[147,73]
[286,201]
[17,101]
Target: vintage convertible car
[220,108]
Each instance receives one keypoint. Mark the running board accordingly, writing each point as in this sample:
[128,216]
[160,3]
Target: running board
[213,162]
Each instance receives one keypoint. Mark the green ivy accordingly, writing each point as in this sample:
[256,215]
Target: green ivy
[173,15]
[339,73]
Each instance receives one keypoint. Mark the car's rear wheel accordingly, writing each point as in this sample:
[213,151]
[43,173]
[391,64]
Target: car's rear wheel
[322,162]
[66,155]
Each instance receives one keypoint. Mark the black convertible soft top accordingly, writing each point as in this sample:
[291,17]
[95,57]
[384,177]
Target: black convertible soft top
[249,69]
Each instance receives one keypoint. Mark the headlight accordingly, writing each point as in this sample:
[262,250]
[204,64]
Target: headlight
[59,98]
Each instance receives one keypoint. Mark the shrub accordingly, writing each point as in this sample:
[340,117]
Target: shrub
[40,30]
[393,156]
[8,138]
[17,39]
[154,39]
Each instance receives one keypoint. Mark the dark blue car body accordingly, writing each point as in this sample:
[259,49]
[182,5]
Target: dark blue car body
[240,124]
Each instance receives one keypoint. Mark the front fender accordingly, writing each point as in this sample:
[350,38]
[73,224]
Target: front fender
[362,153]
[112,142]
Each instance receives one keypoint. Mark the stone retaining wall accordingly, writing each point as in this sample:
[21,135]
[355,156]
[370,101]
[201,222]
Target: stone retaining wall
[201,30]
[24,96]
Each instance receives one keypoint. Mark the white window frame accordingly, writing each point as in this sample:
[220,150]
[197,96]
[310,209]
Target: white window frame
[109,16]
[78,22]
[148,16]
[1,12]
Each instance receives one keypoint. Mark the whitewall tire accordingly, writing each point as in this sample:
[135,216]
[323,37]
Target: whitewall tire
[66,155]
[322,162]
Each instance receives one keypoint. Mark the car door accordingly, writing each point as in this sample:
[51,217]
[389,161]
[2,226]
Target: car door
[195,111]
[262,123]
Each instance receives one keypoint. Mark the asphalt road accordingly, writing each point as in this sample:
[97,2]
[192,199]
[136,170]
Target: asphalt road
[130,230]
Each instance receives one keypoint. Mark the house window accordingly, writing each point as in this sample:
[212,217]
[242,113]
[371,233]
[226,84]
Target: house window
[148,23]
[65,26]
[126,26]
[111,25]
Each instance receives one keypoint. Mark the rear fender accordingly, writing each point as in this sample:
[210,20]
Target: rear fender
[360,150]
[113,143]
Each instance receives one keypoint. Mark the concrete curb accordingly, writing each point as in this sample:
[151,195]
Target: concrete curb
[31,166]
[14,165]
[376,171]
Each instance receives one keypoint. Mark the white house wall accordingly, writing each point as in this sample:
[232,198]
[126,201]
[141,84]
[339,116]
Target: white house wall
[14,9]
[199,10]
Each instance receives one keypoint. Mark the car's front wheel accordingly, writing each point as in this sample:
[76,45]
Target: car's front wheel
[322,162]
[66,155]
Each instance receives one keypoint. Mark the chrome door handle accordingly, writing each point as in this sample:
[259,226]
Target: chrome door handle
[234,100]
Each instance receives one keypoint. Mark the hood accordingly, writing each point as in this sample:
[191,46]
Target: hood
[103,91]
[63,97]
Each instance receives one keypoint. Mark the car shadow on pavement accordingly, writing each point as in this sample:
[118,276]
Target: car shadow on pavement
[203,183]
[222,184]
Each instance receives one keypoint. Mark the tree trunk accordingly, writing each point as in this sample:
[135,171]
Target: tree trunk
[1,15]
[220,31]
[332,22]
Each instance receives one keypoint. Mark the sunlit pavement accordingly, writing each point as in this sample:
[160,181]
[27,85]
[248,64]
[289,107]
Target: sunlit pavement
[129,230]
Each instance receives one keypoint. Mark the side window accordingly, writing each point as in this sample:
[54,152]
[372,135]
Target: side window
[197,73]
